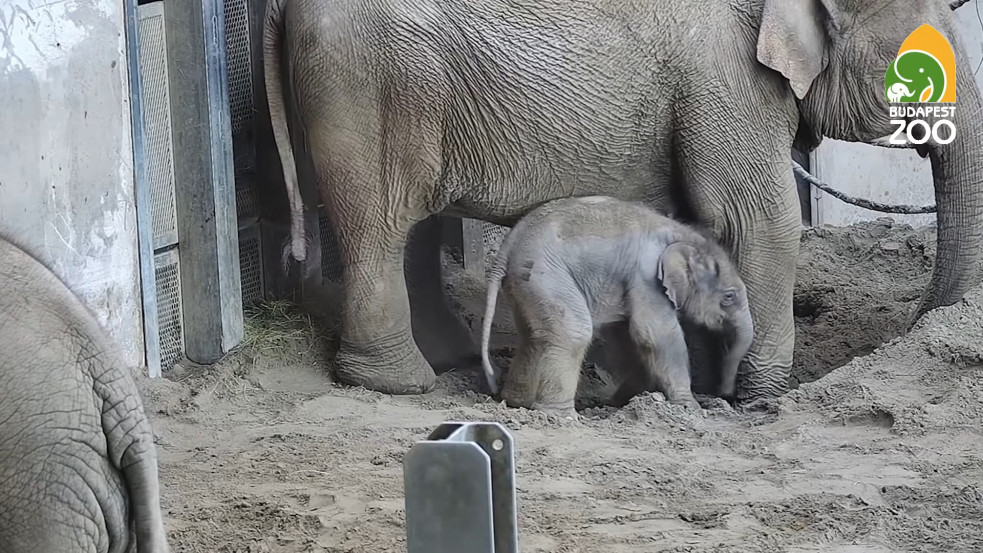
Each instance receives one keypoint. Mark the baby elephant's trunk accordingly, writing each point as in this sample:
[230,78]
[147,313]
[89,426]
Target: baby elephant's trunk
[735,352]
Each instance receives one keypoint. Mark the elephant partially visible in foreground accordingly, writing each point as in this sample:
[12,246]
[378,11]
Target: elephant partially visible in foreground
[487,108]
[574,266]
[78,468]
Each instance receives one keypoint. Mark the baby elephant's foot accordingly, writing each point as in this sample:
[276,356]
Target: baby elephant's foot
[558,410]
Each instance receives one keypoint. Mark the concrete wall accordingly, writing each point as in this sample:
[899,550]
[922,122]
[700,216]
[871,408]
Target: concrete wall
[886,175]
[66,161]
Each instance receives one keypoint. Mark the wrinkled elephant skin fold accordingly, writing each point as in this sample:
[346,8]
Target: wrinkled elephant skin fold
[78,465]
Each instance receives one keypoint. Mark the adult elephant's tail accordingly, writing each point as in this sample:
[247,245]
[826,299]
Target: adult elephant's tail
[134,452]
[272,55]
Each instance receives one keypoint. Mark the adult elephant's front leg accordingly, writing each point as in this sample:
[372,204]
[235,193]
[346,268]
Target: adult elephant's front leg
[769,274]
[754,210]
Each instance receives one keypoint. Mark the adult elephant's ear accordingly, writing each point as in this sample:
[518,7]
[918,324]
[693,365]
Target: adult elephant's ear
[793,41]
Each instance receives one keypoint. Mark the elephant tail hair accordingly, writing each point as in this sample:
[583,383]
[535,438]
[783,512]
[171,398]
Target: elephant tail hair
[272,56]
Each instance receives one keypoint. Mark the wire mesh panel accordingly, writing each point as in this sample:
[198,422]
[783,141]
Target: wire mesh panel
[239,56]
[239,73]
[157,124]
[330,256]
[492,236]
[239,64]
[250,265]
[156,113]
[247,207]
[167,269]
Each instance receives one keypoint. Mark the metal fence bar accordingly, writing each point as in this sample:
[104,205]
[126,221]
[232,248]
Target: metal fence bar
[141,185]
[204,179]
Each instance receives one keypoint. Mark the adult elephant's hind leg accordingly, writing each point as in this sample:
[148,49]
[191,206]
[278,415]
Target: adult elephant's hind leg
[376,187]
[377,350]
[554,323]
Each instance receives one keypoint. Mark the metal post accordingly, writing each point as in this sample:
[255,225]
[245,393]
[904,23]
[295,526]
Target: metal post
[142,194]
[211,289]
[460,490]
[466,235]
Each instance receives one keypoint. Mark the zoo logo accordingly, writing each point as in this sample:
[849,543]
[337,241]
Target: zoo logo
[923,72]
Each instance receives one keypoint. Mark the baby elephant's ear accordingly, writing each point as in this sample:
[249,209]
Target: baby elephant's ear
[675,271]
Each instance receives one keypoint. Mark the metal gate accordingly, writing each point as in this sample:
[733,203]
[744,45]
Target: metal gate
[184,163]
[155,94]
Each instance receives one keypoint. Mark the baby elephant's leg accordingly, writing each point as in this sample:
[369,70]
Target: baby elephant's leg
[555,329]
[661,344]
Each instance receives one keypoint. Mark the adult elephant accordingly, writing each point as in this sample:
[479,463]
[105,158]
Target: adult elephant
[488,108]
[78,466]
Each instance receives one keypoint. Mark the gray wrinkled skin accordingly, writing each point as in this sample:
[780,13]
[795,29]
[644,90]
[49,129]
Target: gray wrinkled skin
[488,108]
[575,266]
[78,468]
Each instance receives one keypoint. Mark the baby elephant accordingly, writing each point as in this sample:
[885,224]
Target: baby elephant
[78,468]
[575,266]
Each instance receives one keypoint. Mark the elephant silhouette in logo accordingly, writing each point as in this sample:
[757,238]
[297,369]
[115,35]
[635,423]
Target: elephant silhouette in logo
[897,91]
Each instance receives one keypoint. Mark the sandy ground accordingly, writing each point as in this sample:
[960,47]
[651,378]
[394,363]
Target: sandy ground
[263,453]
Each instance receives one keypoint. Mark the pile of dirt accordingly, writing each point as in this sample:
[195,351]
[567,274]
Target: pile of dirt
[263,453]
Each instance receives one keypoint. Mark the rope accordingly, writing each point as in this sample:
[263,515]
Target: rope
[859,202]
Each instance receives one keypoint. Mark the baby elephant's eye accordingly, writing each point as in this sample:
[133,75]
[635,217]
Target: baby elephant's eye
[728,298]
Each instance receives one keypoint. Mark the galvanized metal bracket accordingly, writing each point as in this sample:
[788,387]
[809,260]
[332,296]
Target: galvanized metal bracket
[460,490]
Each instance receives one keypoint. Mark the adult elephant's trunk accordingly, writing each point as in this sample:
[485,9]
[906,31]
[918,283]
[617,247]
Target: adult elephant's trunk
[957,170]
